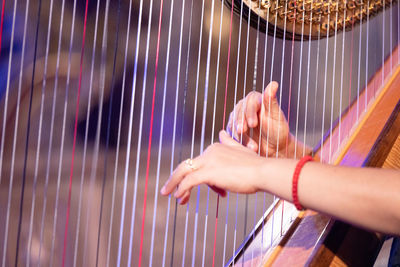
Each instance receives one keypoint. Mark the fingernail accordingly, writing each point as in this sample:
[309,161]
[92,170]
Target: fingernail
[250,121]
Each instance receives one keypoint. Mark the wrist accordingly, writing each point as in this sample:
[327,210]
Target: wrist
[277,177]
[262,170]
[295,180]
[297,149]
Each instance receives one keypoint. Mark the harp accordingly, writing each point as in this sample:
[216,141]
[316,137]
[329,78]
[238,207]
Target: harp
[101,99]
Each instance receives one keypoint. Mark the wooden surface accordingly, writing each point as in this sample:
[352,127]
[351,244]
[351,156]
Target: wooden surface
[312,243]
[393,160]
[338,140]
[350,246]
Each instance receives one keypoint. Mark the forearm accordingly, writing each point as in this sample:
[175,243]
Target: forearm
[366,197]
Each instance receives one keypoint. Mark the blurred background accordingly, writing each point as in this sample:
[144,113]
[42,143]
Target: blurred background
[109,172]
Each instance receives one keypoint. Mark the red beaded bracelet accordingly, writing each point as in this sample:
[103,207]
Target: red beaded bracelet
[295,180]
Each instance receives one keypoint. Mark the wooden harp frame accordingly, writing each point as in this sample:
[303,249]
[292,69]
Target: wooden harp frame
[314,239]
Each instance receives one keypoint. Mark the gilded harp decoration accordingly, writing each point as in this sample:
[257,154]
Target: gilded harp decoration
[317,19]
[100,100]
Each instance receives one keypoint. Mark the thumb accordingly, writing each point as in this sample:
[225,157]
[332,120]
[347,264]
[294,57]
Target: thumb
[226,139]
[270,94]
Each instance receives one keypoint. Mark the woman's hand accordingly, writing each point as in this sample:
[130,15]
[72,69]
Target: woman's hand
[353,195]
[225,166]
[261,112]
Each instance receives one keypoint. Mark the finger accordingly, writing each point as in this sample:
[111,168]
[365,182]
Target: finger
[179,173]
[269,96]
[253,105]
[185,188]
[239,120]
[230,130]
[234,118]
[191,180]
[232,135]
[250,143]
[185,198]
[226,139]
[229,124]
[218,190]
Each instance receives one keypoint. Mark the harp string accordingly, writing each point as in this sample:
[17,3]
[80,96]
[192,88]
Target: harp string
[213,124]
[161,131]
[206,87]
[181,141]
[29,244]
[341,76]
[193,138]
[225,229]
[351,76]
[150,135]
[181,144]
[366,64]
[196,218]
[298,91]
[316,83]
[99,120]
[1,34]
[108,130]
[234,112]
[75,135]
[49,152]
[223,127]
[139,144]
[291,82]
[174,127]
[132,227]
[262,116]
[280,106]
[391,34]
[2,20]
[269,107]
[8,84]
[27,135]
[119,120]
[63,134]
[227,67]
[246,205]
[359,69]
[308,77]
[15,133]
[129,141]
[86,137]
[392,41]
[325,82]
[254,89]
[290,92]
[383,45]
[333,83]
[7,87]
[281,79]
